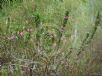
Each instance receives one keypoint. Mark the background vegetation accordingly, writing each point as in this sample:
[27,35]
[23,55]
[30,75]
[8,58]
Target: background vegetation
[50,37]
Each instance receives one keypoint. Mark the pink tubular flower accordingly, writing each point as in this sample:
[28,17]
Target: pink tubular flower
[66,17]
[21,33]
[29,30]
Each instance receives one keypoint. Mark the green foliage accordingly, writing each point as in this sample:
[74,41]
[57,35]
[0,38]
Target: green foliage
[45,37]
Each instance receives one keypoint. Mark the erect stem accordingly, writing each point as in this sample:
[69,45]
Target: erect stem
[90,35]
[63,26]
